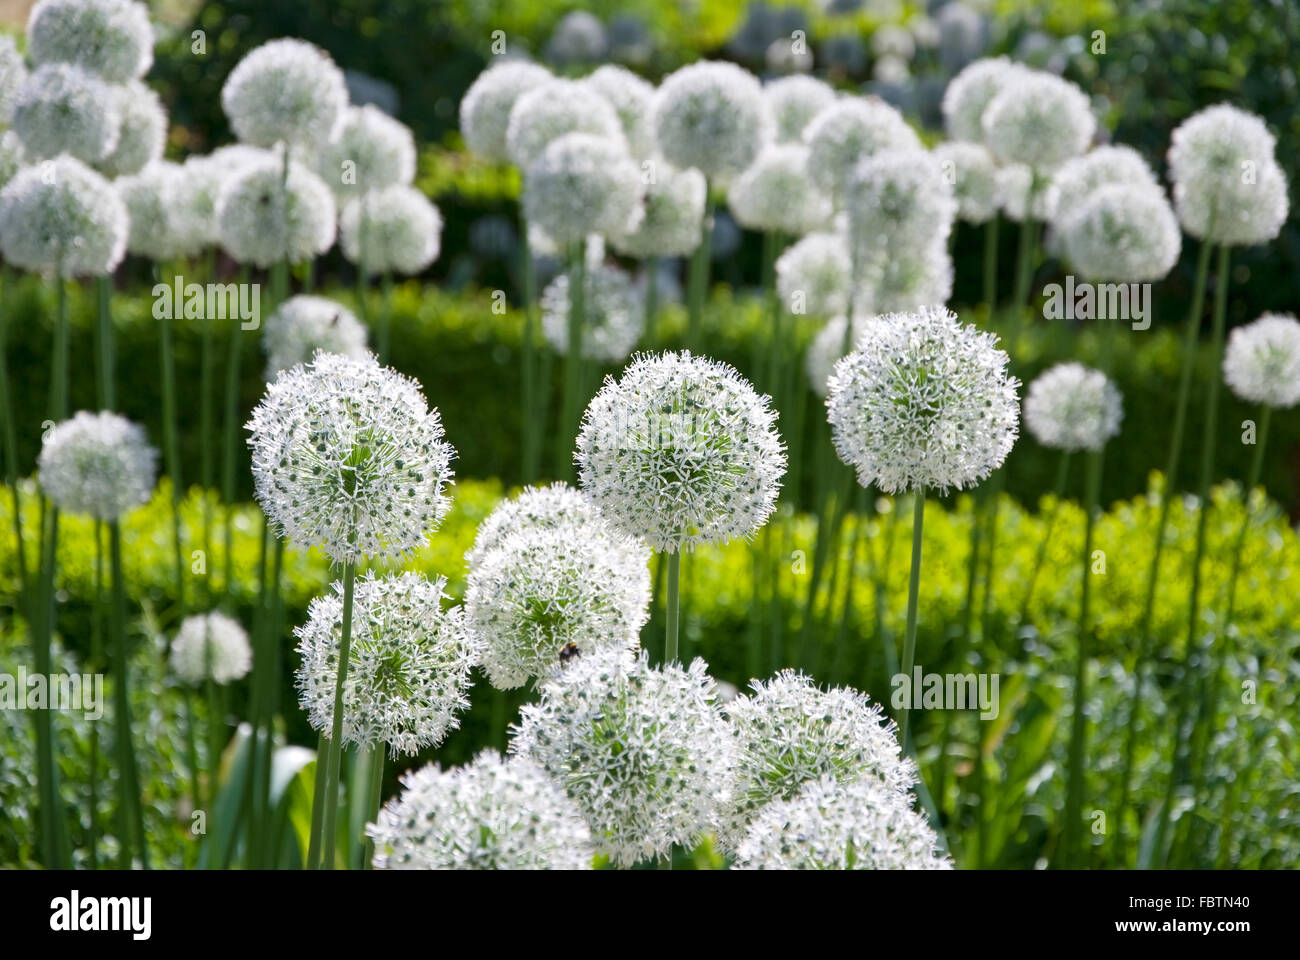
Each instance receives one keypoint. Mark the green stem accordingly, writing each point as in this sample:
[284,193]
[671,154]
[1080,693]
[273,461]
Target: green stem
[697,283]
[318,804]
[385,314]
[651,335]
[104,341]
[171,447]
[572,361]
[671,624]
[913,596]
[374,791]
[330,799]
[231,428]
[528,398]
[129,796]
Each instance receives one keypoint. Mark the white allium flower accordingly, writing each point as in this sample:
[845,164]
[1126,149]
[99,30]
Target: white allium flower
[304,324]
[1073,407]
[712,116]
[143,130]
[370,151]
[681,451]
[485,111]
[61,108]
[397,228]
[641,749]
[111,38]
[12,156]
[348,457]
[905,280]
[549,110]
[1228,187]
[923,402]
[776,194]
[827,347]
[830,825]
[546,594]
[848,131]
[674,215]
[1018,189]
[613,314]
[583,184]
[195,196]
[13,71]
[265,218]
[897,200]
[1077,179]
[1039,120]
[150,198]
[211,644]
[1124,233]
[556,505]
[1262,361]
[971,91]
[969,169]
[488,815]
[789,732]
[233,157]
[288,91]
[633,100]
[813,276]
[62,216]
[97,463]
[793,102]
[408,664]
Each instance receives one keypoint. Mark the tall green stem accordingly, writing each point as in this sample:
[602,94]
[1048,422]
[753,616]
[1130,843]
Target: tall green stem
[330,799]
[529,401]
[913,596]
[374,791]
[171,447]
[128,779]
[671,624]
[572,362]
[697,282]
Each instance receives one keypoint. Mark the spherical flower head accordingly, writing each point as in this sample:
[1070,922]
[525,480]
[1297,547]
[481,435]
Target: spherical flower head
[98,464]
[1262,361]
[813,276]
[266,218]
[1227,185]
[776,194]
[409,663]
[547,594]
[642,750]
[923,402]
[789,732]
[832,341]
[1021,193]
[1072,407]
[150,198]
[971,91]
[1124,233]
[62,216]
[61,108]
[395,229]
[908,279]
[674,214]
[195,196]
[13,71]
[580,185]
[613,314]
[898,200]
[348,457]
[485,110]
[550,110]
[491,814]
[848,131]
[712,116]
[680,450]
[211,645]
[304,324]
[1039,120]
[370,151]
[143,130]
[793,102]
[12,156]
[111,38]
[831,825]
[633,100]
[969,169]
[285,90]
[1077,179]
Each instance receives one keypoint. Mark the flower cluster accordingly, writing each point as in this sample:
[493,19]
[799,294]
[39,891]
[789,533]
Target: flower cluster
[580,185]
[673,220]
[285,91]
[1262,361]
[775,193]
[549,110]
[370,151]
[793,102]
[849,131]
[63,217]
[211,645]
[813,276]
[612,310]
[304,324]
[266,217]
[485,110]
[712,116]
[1073,407]
[393,228]
[110,38]
[97,463]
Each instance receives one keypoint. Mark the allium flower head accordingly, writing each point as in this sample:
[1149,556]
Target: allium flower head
[1073,407]
[556,505]
[370,151]
[641,749]
[897,200]
[1039,120]
[61,108]
[793,102]
[674,215]
[832,341]
[195,196]
[971,91]
[970,170]
[111,38]
[680,451]
[712,116]
[491,814]
[64,217]
[580,185]
[304,324]
[848,131]
[485,111]
[1124,233]
[408,665]
[1262,361]
[633,100]
[287,91]
[1021,193]
[396,228]
[775,193]
[549,110]
[813,276]
[923,402]
[143,130]
[97,463]
[211,644]
[348,457]
[613,314]
[265,218]
[904,280]
[831,825]
[13,71]
[1077,179]
[150,198]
